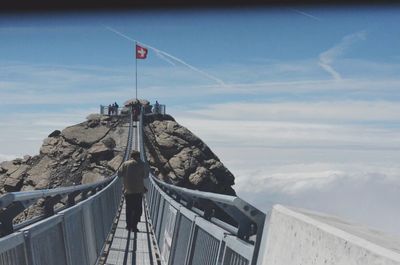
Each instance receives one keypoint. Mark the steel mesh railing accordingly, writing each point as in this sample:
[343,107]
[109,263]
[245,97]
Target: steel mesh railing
[187,235]
[75,235]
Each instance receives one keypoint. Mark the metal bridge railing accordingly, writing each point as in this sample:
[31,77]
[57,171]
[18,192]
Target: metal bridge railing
[188,232]
[75,235]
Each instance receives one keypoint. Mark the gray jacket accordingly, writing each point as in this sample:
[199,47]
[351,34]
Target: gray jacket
[133,173]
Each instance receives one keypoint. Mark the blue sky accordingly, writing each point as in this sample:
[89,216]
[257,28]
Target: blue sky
[308,114]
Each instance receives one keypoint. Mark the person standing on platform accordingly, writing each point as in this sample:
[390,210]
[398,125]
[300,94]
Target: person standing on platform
[133,172]
[157,107]
[116,106]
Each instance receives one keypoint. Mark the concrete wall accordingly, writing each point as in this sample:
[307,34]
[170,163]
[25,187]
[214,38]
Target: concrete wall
[298,237]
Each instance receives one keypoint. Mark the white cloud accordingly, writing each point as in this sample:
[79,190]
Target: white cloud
[311,155]
[321,111]
[23,133]
[333,125]
[63,84]
[367,194]
[327,57]
[7,157]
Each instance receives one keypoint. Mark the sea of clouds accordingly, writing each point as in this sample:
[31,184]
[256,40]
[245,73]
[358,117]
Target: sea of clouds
[309,156]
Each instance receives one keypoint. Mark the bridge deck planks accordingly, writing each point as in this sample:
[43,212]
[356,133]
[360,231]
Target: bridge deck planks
[137,251]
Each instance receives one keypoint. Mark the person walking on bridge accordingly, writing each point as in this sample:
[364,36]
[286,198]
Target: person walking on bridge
[133,173]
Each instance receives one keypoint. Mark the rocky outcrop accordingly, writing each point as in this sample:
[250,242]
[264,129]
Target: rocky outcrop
[92,150]
[179,157]
[83,153]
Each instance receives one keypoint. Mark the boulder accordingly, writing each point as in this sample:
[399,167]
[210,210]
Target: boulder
[94,117]
[200,175]
[41,172]
[93,123]
[84,136]
[120,136]
[99,151]
[79,154]
[9,167]
[115,162]
[91,177]
[49,146]
[17,161]
[14,181]
[184,163]
[66,150]
[55,133]
[26,159]
[170,145]
[109,142]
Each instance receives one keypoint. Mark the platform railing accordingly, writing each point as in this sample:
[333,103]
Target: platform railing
[189,233]
[75,235]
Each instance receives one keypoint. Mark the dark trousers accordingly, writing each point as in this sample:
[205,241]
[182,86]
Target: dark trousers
[133,209]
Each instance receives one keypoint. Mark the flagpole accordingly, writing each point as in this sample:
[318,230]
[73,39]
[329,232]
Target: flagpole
[136,66]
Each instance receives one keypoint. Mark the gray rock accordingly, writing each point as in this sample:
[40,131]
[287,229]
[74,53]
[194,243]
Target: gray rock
[200,175]
[170,145]
[190,163]
[99,151]
[67,151]
[41,172]
[55,133]
[50,146]
[17,161]
[26,159]
[84,136]
[109,142]
[120,135]
[184,163]
[9,166]
[91,177]
[78,155]
[14,181]
[94,117]
[115,162]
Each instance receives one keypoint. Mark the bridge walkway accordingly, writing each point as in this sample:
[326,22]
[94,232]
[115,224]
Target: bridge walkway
[129,248]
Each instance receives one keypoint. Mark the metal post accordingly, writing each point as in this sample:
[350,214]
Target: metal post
[136,66]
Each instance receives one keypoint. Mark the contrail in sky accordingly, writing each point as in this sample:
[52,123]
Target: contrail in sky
[306,14]
[169,57]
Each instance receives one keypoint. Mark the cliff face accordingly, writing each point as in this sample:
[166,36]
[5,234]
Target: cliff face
[179,157]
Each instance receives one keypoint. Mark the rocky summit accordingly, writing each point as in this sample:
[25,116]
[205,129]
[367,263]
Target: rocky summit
[93,150]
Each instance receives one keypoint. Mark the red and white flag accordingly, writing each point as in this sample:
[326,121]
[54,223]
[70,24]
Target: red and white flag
[141,52]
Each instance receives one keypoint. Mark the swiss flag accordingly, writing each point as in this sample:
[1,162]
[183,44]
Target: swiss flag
[141,52]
